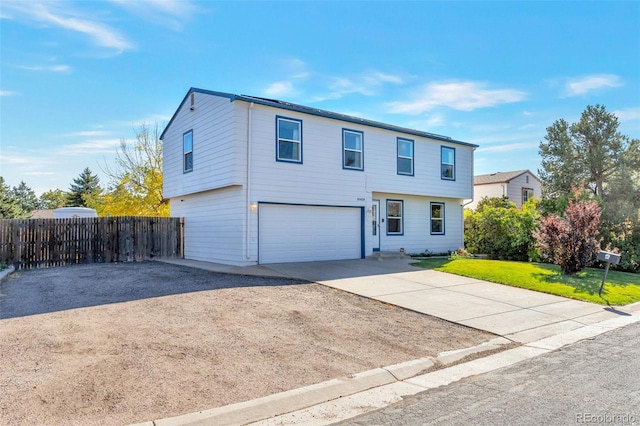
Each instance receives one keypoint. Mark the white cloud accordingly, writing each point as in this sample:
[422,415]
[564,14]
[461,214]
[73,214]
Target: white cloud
[59,15]
[168,13]
[52,68]
[505,148]
[90,147]
[458,95]
[280,88]
[628,114]
[580,86]
[7,93]
[88,133]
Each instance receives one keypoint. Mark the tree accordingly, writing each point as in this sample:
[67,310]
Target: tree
[136,180]
[53,199]
[571,241]
[10,208]
[25,197]
[593,154]
[87,185]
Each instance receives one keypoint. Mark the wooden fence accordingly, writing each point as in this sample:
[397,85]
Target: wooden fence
[33,243]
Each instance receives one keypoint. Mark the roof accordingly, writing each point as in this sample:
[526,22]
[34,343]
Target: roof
[317,112]
[500,177]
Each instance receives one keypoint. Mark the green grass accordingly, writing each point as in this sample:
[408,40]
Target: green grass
[621,288]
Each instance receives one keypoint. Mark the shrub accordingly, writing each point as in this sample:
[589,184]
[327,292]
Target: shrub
[571,241]
[625,237]
[500,230]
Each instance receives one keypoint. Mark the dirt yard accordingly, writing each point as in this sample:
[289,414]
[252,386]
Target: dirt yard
[115,344]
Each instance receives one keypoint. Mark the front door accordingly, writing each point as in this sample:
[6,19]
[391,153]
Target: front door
[375,225]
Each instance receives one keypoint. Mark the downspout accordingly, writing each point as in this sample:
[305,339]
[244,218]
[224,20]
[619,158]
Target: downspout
[248,187]
[470,201]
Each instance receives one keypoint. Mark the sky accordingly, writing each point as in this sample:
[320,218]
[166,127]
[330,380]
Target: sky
[77,77]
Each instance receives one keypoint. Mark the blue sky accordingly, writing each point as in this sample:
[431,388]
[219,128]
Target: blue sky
[77,76]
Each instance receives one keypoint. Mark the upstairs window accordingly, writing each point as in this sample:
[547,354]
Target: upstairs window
[352,150]
[448,160]
[394,217]
[437,218]
[405,157]
[288,140]
[187,151]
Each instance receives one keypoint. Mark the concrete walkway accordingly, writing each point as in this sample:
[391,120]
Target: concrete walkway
[517,314]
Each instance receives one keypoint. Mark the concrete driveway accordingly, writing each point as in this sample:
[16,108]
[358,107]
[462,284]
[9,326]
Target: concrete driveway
[517,314]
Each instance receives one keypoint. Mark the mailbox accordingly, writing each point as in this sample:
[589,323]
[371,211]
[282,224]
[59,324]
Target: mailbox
[605,256]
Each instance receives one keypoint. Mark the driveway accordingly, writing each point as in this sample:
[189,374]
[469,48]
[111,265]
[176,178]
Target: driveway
[517,314]
[129,342]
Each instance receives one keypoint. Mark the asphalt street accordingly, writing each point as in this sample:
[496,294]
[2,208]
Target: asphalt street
[594,381]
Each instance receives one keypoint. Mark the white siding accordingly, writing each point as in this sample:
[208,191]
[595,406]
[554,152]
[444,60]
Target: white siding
[417,236]
[217,156]
[215,196]
[214,225]
[514,189]
[488,190]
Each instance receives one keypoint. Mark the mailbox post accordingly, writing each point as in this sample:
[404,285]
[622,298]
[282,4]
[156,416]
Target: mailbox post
[605,256]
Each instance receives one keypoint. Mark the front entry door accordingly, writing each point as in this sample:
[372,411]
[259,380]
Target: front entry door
[375,224]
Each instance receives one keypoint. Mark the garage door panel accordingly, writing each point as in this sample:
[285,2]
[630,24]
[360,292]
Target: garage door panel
[292,233]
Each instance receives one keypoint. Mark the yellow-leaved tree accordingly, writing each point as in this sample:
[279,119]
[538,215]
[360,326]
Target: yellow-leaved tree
[135,187]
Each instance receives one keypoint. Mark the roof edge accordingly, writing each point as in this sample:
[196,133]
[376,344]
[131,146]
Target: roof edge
[317,112]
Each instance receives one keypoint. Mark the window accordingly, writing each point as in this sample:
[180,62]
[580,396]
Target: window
[448,157]
[187,151]
[352,150]
[394,217]
[288,140]
[405,157]
[437,218]
[527,193]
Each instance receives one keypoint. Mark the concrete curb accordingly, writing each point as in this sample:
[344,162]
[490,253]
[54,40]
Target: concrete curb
[293,400]
[6,272]
[373,399]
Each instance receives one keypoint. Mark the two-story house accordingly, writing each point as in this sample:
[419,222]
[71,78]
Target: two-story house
[518,186]
[264,181]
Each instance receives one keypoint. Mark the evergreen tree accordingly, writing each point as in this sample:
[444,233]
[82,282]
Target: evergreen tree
[10,208]
[592,154]
[87,185]
[26,198]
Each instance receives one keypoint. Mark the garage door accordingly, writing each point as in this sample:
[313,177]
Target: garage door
[289,233]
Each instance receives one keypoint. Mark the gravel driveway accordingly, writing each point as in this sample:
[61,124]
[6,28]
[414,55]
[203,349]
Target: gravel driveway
[130,342]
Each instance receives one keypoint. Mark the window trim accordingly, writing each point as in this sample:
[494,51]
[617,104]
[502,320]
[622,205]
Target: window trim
[523,192]
[185,152]
[395,218]
[398,156]
[361,151]
[442,163]
[442,219]
[286,160]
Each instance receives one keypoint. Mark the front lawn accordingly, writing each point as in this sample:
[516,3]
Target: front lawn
[621,288]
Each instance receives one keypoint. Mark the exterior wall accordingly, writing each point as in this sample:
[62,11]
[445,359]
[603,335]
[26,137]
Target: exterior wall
[417,236]
[514,189]
[219,198]
[214,225]
[217,160]
[488,190]
[320,178]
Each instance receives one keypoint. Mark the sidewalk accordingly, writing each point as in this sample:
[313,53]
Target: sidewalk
[538,321]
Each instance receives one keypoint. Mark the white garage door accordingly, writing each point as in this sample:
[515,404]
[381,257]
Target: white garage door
[306,233]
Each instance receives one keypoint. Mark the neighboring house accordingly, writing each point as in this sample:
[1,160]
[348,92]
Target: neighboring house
[264,181]
[518,186]
[42,214]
